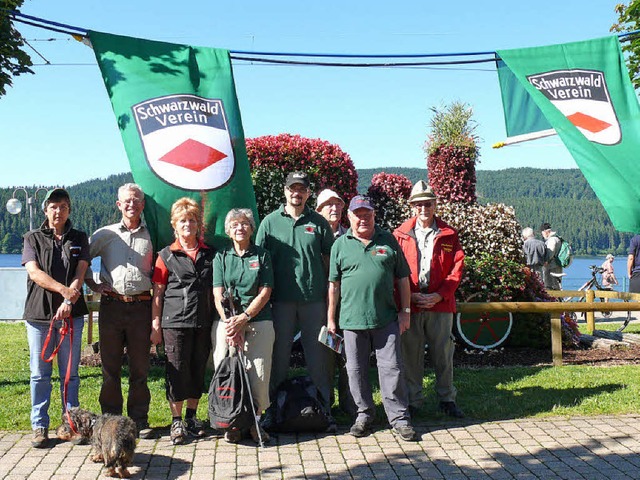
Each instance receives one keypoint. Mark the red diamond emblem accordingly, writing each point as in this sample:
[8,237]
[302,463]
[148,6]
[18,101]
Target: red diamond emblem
[589,123]
[193,155]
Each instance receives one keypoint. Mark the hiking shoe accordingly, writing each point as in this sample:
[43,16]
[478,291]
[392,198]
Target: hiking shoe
[178,432]
[233,435]
[145,432]
[360,429]
[195,427]
[40,437]
[405,432]
[451,409]
[253,431]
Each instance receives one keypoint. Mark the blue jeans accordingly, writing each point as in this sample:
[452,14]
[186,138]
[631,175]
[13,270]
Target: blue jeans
[40,382]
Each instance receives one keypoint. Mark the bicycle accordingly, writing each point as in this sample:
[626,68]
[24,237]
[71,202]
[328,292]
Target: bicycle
[593,284]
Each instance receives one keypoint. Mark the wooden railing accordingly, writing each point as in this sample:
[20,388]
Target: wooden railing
[555,309]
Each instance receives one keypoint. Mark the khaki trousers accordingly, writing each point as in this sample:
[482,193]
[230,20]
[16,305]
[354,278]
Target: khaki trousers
[258,349]
[435,330]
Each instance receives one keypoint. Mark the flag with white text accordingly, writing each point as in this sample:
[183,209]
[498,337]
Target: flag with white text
[178,114]
[584,92]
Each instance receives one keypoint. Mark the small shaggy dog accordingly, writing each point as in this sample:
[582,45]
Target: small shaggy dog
[113,438]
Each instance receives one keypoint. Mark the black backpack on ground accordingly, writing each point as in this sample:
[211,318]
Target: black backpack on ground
[297,407]
[229,401]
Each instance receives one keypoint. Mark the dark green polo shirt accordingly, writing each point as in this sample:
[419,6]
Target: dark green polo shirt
[366,274]
[246,273]
[296,248]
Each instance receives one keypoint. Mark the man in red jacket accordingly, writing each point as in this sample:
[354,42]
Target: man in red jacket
[436,260]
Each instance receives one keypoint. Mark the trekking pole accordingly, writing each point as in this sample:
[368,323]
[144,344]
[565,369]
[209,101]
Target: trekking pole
[240,354]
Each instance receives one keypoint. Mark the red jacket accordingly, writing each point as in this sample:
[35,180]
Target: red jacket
[447,262]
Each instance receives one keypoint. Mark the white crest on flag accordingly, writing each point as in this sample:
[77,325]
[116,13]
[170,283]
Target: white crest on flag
[186,140]
[583,97]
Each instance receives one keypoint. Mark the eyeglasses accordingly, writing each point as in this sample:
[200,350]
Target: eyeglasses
[243,225]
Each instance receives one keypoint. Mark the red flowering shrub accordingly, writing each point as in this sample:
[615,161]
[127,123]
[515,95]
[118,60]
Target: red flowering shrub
[389,193]
[272,157]
[452,153]
[452,173]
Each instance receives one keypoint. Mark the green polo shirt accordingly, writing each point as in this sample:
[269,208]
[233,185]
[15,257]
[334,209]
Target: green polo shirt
[246,274]
[296,248]
[366,274]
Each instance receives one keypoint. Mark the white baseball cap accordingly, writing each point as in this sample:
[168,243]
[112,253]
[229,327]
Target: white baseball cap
[324,196]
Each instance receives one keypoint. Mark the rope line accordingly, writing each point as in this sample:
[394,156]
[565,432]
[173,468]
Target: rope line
[256,56]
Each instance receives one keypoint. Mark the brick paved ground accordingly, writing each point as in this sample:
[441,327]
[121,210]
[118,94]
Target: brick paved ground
[577,448]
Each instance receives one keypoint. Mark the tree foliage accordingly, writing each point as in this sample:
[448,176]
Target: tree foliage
[272,157]
[629,21]
[14,60]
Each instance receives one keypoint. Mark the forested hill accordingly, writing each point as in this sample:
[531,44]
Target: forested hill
[560,197]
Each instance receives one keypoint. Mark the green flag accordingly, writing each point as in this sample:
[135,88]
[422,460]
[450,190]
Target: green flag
[177,110]
[584,92]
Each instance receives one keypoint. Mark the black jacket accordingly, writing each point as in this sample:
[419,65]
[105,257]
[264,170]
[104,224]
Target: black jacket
[188,296]
[41,304]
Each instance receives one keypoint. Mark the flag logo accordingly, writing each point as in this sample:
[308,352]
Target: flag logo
[186,140]
[583,97]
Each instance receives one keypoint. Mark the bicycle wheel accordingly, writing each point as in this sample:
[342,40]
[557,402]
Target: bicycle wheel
[484,330]
[626,321]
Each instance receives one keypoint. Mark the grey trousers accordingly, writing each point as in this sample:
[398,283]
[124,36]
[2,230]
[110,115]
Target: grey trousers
[434,329]
[385,342]
[306,318]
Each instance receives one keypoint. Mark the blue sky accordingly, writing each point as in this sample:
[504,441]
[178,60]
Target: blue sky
[57,127]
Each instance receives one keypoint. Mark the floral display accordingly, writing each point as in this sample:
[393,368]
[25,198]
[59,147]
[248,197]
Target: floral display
[272,157]
[390,193]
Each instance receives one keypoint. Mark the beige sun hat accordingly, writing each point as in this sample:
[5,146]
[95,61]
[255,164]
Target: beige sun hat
[324,196]
[421,191]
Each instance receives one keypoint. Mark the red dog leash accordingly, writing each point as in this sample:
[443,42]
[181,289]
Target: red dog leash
[66,329]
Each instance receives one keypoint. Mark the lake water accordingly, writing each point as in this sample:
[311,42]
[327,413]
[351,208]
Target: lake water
[577,273]
[14,260]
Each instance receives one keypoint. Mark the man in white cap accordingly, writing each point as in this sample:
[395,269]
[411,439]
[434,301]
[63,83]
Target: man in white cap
[436,260]
[330,206]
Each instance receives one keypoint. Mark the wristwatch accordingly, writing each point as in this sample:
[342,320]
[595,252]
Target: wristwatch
[66,301]
[406,310]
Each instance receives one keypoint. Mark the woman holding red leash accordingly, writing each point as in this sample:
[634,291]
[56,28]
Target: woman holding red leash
[56,257]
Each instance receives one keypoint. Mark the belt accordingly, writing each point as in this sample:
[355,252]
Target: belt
[141,297]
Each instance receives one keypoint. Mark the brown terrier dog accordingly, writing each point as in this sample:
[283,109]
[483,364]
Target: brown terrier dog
[113,438]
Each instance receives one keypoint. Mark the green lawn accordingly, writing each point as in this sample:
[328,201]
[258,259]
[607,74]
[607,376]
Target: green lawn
[484,394]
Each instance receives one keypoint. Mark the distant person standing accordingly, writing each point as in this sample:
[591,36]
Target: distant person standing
[633,264]
[608,274]
[534,250]
[552,270]
[56,257]
[126,255]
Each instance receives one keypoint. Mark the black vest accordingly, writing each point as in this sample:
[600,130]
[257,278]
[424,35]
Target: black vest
[40,302]
[188,296]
